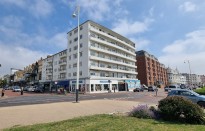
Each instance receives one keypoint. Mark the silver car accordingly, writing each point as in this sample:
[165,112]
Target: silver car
[16,89]
[189,94]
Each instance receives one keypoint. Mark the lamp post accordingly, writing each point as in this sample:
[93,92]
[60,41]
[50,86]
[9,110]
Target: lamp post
[190,82]
[77,13]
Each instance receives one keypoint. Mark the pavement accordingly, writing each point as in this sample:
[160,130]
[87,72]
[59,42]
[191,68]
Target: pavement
[44,113]
[51,112]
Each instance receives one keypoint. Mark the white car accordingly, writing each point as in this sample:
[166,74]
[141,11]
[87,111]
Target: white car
[31,89]
[16,89]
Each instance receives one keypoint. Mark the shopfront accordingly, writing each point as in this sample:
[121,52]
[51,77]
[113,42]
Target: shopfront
[100,86]
[72,86]
[132,84]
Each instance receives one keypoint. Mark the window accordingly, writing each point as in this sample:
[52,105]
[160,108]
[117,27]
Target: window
[70,41]
[75,39]
[81,53]
[102,74]
[102,65]
[75,47]
[92,73]
[70,33]
[74,65]
[75,31]
[74,74]
[81,45]
[80,63]
[92,53]
[69,49]
[81,27]
[81,73]
[81,36]
[75,56]
[92,63]
[70,57]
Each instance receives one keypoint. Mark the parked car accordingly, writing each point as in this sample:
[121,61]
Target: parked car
[166,88]
[31,89]
[6,87]
[138,89]
[25,88]
[144,87]
[152,88]
[171,87]
[39,89]
[189,94]
[16,89]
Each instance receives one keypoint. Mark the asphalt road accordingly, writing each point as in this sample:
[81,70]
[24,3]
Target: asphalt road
[146,97]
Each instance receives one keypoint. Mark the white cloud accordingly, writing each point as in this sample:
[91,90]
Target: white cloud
[17,57]
[19,3]
[127,28]
[99,10]
[39,8]
[140,43]
[187,7]
[191,48]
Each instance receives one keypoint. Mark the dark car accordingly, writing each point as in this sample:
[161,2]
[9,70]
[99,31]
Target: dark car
[6,88]
[166,88]
[189,94]
[138,89]
[39,89]
[152,88]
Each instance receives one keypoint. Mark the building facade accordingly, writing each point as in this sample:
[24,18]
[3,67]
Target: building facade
[175,77]
[150,70]
[106,61]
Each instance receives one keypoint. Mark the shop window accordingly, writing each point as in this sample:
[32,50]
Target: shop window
[98,87]
[106,87]
[92,87]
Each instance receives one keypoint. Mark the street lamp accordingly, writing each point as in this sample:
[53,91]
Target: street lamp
[77,13]
[190,82]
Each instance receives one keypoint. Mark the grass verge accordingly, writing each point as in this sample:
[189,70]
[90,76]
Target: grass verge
[201,91]
[109,122]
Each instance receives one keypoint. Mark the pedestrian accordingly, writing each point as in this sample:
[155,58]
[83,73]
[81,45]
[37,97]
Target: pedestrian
[22,90]
[156,91]
[2,92]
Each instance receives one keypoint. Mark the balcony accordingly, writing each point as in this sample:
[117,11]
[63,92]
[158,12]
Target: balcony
[62,62]
[111,37]
[112,70]
[111,45]
[62,70]
[49,66]
[112,53]
[111,61]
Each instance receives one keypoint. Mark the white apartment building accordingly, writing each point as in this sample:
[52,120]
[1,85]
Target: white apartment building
[54,70]
[107,60]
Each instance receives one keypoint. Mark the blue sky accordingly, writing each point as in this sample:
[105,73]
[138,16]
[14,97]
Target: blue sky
[171,30]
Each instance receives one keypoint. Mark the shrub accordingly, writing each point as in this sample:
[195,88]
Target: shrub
[141,111]
[179,108]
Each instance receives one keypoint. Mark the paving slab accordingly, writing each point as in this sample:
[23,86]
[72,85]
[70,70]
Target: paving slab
[44,113]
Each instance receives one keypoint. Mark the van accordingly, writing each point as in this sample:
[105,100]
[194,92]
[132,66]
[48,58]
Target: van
[171,87]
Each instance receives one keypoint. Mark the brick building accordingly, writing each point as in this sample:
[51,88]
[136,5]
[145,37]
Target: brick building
[150,70]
